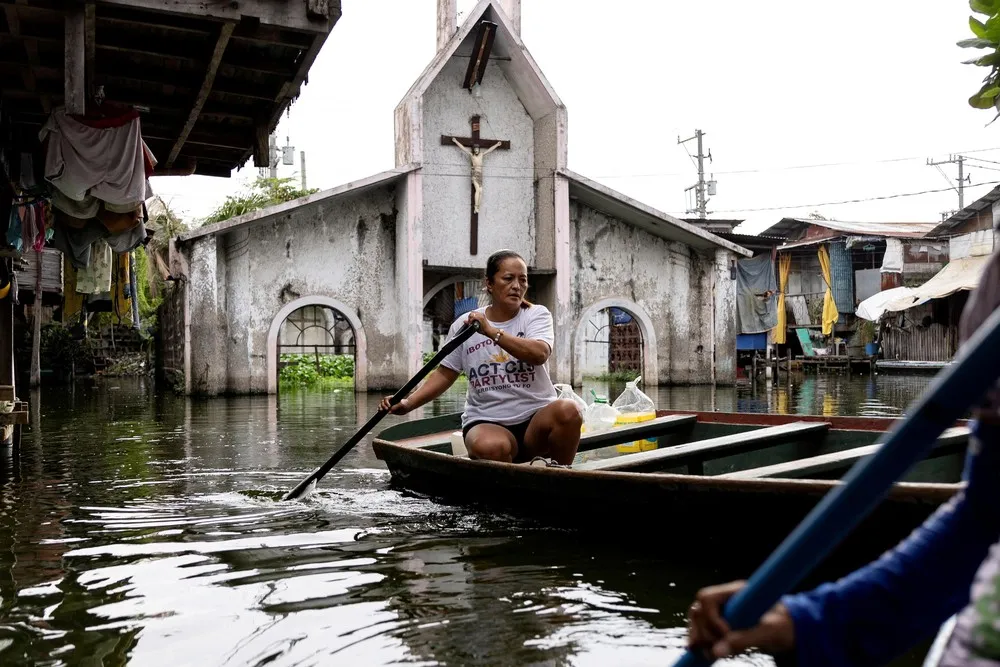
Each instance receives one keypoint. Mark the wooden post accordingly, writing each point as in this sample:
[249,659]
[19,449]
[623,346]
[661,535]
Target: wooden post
[7,386]
[36,326]
[75,60]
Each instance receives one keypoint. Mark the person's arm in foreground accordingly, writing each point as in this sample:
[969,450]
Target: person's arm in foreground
[887,607]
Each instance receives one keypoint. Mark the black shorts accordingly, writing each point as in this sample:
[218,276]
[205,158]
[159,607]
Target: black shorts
[519,430]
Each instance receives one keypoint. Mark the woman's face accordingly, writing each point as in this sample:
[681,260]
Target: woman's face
[509,285]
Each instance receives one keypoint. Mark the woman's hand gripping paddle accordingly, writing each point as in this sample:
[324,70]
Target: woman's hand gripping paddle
[959,386]
[306,486]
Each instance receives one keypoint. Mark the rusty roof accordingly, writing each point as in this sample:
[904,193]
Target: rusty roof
[791,228]
[211,79]
[970,211]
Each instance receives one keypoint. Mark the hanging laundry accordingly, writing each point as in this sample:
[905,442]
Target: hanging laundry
[14,229]
[96,276]
[121,292]
[128,240]
[72,300]
[76,243]
[107,162]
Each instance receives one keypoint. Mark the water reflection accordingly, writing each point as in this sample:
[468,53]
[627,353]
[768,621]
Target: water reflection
[137,527]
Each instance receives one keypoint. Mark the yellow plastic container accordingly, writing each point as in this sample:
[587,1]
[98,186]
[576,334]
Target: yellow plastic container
[636,445]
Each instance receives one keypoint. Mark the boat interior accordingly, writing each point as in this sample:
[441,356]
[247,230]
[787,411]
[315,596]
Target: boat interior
[736,446]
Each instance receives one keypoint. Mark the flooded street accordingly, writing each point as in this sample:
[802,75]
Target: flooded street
[145,529]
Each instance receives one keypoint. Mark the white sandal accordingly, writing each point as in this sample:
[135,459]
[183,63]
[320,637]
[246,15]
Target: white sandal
[546,462]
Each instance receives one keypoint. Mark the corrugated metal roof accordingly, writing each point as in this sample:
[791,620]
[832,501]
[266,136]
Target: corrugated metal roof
[970,211]
[788,226]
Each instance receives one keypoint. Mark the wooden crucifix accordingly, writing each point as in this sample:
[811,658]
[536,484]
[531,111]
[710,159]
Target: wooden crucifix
[472,146]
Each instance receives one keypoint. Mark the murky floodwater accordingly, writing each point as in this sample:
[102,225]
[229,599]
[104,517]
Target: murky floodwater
[143,529]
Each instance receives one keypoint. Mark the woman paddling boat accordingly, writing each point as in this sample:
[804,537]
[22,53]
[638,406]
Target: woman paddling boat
[512,414]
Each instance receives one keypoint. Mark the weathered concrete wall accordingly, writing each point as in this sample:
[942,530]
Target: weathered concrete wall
[725,317]
[241,351]
[345,251]
[507,210]
[670,282]
[206,320]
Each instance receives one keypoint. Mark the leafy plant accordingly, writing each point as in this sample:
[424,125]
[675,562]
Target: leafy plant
[618,376]
[305,370]
[60,350]
[865,332]
[986,36]
[262,193]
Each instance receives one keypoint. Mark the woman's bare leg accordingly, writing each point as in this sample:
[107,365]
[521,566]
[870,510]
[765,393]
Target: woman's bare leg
[554,432]
[491,442]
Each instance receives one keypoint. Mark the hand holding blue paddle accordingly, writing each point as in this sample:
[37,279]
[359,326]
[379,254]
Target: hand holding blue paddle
[957,388]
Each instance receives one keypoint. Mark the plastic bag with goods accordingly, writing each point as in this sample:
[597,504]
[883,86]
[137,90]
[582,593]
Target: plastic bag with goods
[599,415]
[566,392]
[633,407]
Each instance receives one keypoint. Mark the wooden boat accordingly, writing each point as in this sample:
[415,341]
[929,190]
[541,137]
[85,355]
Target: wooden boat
[712,477]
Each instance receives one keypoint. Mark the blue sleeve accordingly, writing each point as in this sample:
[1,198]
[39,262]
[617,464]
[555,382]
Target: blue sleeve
[879,611]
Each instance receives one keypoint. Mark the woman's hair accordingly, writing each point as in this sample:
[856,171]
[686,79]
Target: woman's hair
[493,267]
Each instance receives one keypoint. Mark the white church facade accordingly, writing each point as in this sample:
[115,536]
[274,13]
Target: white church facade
[481,164]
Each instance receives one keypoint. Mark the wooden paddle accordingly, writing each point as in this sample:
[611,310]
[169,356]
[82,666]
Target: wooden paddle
[446,349]
[956,388]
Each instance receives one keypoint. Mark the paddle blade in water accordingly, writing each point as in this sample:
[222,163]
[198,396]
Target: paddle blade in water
[301,493]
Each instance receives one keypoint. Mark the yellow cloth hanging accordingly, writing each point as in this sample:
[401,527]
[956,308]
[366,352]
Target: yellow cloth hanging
[122,306]
[784,267]
[830,314]
[72,300]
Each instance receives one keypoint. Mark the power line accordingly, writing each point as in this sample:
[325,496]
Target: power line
[962,180]
[850,201]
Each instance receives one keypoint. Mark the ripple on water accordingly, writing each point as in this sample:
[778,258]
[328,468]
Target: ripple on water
[148,529]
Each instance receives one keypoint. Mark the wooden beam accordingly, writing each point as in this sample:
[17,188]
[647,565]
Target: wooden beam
[225,32]
[278,13]
[90,47]
[288,91]
[261,146]
[481,50]
[31,50]
[75,57]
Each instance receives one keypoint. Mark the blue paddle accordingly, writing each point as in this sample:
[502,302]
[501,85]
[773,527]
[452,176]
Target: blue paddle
[950,394]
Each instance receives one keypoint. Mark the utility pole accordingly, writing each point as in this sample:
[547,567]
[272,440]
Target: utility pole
[702,189]
[272,154]
[962,178]
[302,161]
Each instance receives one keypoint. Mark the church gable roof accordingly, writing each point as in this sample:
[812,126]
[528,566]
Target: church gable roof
[512,57]
[628,210]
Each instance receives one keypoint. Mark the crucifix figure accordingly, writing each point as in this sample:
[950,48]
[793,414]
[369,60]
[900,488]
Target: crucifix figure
[477,169]
[473,147]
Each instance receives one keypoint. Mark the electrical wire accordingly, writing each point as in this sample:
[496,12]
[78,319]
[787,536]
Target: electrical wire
[850,201]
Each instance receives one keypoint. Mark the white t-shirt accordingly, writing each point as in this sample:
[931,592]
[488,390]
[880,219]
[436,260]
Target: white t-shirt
[503,389]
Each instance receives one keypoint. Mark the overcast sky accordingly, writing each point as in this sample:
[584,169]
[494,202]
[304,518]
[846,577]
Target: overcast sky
[873,88]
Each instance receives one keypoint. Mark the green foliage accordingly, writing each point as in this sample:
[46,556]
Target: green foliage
[145,277]
[618,376]
[264,192]
[166,225]
[303,370]
[865,332]
[60,350]
[986,35]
